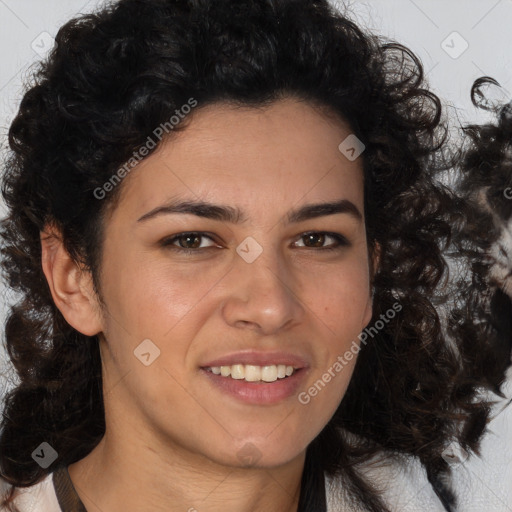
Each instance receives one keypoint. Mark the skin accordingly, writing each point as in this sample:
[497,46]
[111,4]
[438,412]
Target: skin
[173,440]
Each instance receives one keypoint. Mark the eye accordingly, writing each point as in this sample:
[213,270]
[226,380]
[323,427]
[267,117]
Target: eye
[187,242]
[318,238]
[191,242]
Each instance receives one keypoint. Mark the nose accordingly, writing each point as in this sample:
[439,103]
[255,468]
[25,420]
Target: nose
[263,295]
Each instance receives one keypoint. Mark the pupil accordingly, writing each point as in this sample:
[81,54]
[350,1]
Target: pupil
[318,236]
[192,237]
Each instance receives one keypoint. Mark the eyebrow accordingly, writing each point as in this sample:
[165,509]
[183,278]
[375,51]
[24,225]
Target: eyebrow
[236,216]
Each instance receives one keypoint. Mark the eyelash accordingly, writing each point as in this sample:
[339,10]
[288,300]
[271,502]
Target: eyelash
[341,241]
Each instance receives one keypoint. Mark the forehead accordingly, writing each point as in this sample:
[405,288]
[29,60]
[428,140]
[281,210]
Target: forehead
[255,157]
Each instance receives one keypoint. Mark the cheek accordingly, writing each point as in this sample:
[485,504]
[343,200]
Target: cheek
[341,299]
[153,297]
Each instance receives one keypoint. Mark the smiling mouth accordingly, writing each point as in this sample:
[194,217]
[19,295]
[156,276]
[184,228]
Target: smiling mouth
[253,373]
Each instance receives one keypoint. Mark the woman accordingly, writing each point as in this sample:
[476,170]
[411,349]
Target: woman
[226,228]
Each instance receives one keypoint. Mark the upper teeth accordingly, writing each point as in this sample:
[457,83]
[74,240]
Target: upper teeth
[252,373]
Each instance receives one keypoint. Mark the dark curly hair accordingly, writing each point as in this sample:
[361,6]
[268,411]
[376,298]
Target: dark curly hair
[113,77]
[485,185]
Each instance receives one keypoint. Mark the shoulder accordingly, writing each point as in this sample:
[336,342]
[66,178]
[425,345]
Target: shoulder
[402,481]
[39,497]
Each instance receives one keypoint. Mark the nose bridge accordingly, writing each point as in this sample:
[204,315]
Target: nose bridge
[264,267]
[262,288]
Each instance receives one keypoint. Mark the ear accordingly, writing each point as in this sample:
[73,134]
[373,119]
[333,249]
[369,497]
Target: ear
[71,287]
[374,258]
[374,255]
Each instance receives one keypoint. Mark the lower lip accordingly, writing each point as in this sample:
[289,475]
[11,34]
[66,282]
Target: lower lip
[259,393]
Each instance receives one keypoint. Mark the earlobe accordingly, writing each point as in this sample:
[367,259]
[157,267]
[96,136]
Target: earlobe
[70,286]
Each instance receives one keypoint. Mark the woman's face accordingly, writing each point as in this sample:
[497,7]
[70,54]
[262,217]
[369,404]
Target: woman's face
[253,289]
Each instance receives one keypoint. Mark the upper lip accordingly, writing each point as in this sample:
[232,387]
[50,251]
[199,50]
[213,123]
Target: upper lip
[258,358]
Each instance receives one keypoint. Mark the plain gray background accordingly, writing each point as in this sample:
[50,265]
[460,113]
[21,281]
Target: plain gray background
[457,41]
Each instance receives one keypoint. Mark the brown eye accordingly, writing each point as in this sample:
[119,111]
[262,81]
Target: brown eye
[188,242]
[315,239]
[191,241]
